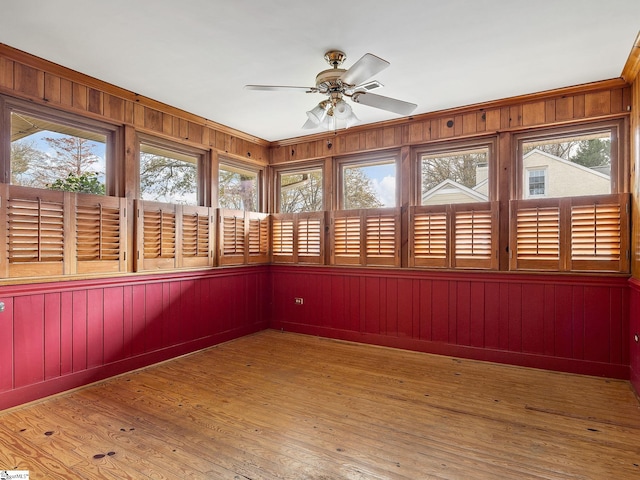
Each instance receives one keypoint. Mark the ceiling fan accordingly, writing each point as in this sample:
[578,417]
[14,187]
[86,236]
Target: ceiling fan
[338,83]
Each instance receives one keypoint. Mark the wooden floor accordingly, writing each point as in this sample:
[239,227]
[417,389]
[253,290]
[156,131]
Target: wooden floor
[280,405]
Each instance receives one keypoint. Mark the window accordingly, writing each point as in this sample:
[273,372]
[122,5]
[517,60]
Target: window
[570,212]
[368,183]
[300,191]
[58,152]
[536,182]
[168,174]
[572,165]
[458,176]
[239,188]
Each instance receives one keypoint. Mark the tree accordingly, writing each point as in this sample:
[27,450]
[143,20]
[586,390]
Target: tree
[359,191]
[167,179]
[595,152]
[83,183]
[26,161]
[461,169]
[301,192]
[73,154]
[237,191]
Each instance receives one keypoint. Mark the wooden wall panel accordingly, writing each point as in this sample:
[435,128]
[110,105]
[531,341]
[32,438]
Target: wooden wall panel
[552,108]
[565,323]
[62,335]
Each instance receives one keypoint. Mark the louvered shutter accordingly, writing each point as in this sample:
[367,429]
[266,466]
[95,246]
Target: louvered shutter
[310,237]
[258,251]
[35,223]
[282,249]
[598,240]
[100,234]
[156,236]
[535,234]
[382,237]
[232,242]
[347,238]
[428,236]
[475,235]
[196,236]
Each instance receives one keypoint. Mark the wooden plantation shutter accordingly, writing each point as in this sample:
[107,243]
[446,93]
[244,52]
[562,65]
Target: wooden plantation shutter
[382,237]
[34,224]
[282,249]
[156,236]
[101,232]
[535,234]
[298,237]
[366,237]
[475,235]
[571,234]
[310,237]
[258,251]
[454,235]
[52,233]
[599,233]
[232,241]
[428,236]
[347,238]
[197,236]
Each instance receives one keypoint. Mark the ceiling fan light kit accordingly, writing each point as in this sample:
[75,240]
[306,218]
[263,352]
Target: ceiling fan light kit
[338,84]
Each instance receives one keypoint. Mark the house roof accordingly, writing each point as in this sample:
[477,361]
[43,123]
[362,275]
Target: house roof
[198,54]
[449,186]
[594,171]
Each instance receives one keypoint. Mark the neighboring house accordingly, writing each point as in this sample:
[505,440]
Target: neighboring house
[449,191]
[544,175]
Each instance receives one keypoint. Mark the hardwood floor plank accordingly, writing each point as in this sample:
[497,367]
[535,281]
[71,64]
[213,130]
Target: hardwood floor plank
[277,405]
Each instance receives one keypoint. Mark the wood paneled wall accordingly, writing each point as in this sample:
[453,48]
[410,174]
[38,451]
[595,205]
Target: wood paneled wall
[632,74]
[28,77]
[599,100]
[569,323]
[57,336]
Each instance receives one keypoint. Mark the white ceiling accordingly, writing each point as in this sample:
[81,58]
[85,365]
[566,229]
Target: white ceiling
[198,54]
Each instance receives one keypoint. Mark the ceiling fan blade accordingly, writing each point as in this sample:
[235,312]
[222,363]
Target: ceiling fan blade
[364,69]
[275,88]
[385,103]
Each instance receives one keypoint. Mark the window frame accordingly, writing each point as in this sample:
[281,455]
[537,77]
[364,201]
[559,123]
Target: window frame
[248,167]
[203,159]
[527,186]
[113,136]
[449,148]
[283,170]
[372,159]
[617,128]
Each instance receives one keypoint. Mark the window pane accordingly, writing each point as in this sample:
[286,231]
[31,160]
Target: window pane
[46,154]
[571,166]
[536,182]
[369,186]
[168,176]
[301,191]
[238,189]
[455,177]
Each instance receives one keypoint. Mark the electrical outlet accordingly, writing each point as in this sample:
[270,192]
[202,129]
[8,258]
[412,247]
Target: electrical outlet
[298,301]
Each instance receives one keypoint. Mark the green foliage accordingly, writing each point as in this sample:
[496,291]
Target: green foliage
[84,183]
[595,152]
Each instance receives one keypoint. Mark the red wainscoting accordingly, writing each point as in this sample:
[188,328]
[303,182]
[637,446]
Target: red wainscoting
[57,336]
[568,323]
[634,329]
